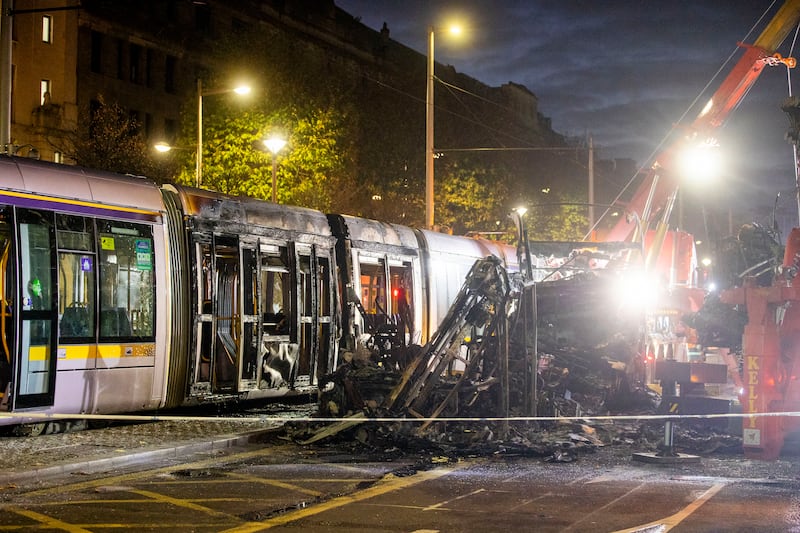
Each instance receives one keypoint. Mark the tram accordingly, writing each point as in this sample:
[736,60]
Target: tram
[118,295]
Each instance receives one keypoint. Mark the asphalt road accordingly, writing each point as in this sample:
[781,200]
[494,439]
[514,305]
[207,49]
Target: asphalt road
[260,483]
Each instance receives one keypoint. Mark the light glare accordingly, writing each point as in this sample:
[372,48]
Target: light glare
[274,144]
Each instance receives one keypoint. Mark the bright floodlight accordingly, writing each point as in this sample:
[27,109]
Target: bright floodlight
[162,147]
[274,144]
[701,162]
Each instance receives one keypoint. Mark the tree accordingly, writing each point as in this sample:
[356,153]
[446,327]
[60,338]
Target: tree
[470,198]
[311,169]
[108,138]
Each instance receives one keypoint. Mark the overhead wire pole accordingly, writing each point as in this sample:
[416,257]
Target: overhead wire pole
[198,168]
[429,135]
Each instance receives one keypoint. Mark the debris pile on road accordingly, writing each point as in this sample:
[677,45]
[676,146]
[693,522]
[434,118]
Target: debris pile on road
[455,394]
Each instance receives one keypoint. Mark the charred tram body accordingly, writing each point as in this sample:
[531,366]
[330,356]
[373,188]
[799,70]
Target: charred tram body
[122,296]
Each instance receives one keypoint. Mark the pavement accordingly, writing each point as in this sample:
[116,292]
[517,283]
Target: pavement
[27,458]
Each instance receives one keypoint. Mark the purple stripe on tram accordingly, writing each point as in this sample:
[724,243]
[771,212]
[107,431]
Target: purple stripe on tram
[67,206]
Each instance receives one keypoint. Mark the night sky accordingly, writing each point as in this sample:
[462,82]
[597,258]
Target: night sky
[625,72]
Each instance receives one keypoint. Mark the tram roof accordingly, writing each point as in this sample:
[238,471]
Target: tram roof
[249,214]
[374,232]
[73,188]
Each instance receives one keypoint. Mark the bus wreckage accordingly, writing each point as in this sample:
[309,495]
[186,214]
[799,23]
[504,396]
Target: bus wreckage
[481,363]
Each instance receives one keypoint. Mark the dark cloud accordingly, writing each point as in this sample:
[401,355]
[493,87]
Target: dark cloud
[625,71]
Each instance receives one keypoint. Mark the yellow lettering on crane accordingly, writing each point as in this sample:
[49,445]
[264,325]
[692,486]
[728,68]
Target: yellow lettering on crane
[752,403]
[752,362]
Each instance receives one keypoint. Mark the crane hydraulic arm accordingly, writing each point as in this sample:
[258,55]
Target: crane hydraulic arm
[661,182]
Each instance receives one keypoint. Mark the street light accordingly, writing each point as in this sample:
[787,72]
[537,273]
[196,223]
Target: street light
[274,144]
[162,147]
[429,151]
[242,89]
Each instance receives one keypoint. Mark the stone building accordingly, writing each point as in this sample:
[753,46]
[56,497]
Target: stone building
[146,55]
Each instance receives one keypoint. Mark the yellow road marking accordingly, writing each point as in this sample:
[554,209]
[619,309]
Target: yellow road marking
[46,521]
[179,503]
[385,486]
[671,521]
[274,483]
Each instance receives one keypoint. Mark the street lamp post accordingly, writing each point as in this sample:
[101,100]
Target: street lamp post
[274,145]
[429,135]
[454,29]
[198,164]
[198,169]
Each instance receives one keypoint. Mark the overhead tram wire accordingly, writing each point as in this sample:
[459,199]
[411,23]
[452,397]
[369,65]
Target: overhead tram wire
[794,145]
[465,118]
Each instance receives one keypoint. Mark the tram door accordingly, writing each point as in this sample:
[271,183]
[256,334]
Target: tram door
[218,301]
[7,297]
[36,366]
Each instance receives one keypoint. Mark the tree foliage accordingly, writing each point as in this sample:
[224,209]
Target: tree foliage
[356,141]
[108,138]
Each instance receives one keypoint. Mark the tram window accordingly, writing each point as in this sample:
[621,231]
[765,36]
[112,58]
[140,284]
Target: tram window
[275,292]
[373,287]
[35,250]
[76,277]
[76,303]
[75,233]
[127,281]
[324,286]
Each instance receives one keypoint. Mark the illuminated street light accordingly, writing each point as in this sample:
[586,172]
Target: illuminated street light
[430,155]
[274,144]
[240,90]
[162,147]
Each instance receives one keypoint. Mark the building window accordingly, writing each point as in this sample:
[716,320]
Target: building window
[169,75]
[47,29]
[120,59]
[148,62]
[97,52]
[170,128]
[136,56]
[57,157]
[202,19]
[44,92]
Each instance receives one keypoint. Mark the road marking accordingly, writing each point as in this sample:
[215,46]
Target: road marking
[442,504]
[46,521]
[163,498]
[274,483]
[600,509]
[671,521]
[133,476]
[385,486]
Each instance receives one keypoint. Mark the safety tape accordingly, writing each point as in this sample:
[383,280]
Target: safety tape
[23,418]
